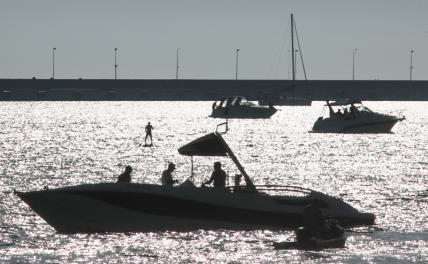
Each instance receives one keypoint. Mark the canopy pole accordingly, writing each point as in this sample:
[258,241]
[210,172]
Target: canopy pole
[191,170]
[236,161]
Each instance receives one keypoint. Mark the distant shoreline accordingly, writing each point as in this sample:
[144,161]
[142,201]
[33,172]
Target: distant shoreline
[200,90]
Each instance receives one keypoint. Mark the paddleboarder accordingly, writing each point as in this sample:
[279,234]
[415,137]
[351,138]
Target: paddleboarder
[148,129]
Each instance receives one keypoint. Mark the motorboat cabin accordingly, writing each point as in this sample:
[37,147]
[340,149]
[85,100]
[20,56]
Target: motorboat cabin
[239,107]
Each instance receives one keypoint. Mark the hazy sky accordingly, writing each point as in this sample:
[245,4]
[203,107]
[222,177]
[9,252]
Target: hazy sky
[208,32]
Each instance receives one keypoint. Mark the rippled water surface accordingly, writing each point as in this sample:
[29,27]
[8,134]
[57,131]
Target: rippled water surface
[66,143]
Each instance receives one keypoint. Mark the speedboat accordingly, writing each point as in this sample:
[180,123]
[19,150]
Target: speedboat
[239,107]
[134,207]
[351,116]
[286,100]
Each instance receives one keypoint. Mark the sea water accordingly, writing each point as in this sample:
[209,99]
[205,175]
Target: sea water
[55,144]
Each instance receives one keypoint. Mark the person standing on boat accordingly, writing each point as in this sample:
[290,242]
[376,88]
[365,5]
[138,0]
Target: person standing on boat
[148,129]
[218,176]
[125,177]
[166,178]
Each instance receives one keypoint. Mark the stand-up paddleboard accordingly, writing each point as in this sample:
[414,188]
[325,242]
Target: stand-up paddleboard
[145,145]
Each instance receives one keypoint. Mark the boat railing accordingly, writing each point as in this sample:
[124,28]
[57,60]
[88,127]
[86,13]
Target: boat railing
[282,189]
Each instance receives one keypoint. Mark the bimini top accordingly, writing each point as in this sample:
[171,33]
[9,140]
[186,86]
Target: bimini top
[343,102]
[208,145]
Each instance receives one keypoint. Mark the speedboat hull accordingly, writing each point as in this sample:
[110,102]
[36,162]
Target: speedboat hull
[333,125]
[111,207]
[242,111]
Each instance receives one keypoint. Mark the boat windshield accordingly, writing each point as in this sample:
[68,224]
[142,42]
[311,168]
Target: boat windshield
[362,108]
[237,100]
[247,103]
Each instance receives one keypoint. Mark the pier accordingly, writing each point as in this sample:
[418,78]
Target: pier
[199,89]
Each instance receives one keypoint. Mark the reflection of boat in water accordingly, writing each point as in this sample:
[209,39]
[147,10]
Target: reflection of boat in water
[352,116]
[290,100]
[239,107]
[132,207]
[286,100]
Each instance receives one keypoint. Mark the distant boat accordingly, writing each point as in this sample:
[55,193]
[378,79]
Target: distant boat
[352,116]
[239,107]
[283,99]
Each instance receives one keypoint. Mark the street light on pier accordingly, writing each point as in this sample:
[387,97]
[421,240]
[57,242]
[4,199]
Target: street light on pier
[115,63]
[177,65]
[411,62]
[53,63]
[353,63]
[236,64]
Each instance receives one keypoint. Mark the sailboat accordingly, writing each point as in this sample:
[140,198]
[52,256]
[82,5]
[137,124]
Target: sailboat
[289,100]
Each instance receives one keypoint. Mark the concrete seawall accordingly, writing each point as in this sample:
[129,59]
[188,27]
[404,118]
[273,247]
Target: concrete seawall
[195,90]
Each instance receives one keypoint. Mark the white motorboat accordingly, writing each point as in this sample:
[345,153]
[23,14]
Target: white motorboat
[351,116]
[239,107]
[133,207]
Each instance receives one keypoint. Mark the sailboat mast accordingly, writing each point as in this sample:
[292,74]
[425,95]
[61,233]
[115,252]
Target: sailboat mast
[292,48]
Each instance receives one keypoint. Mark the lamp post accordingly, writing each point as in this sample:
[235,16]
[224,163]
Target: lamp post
[53,63]
[236,64]
[411,62]
[177,65]
[115,63]
[353,63]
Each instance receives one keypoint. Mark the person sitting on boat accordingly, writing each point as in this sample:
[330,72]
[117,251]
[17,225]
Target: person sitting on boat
[238,187]
[218,176]
[220,104]
[331,111]
[353,110]
[248,188]
[314,224]
[166,178]
[346,114]
[313,218]
[125,177]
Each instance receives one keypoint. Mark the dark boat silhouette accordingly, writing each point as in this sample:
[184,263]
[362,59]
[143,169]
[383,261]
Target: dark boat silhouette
[134,207]
[352,116]
[239,107]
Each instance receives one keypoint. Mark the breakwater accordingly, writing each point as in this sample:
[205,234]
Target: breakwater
[195,89]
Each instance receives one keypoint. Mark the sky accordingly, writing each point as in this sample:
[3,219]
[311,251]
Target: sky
[148,33]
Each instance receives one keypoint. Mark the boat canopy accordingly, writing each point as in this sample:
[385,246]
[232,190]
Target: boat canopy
[208,145]
[343,102]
